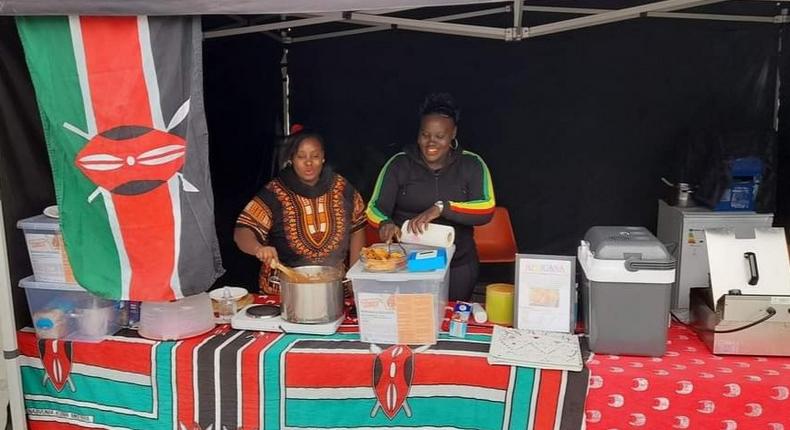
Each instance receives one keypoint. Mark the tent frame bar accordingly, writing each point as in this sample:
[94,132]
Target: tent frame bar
[379,21]
[428,26]
[444,18]
[321,19]
[679,15]
[518,13]
[614,16]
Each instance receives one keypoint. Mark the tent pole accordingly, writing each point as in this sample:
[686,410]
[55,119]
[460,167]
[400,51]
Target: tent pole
[273,26]
[614,16]
[311,19]
[286,78]
[428,26]
[518,9]
[543,9]
[778,84]
[517,32]
[677,15]
[444,18]
[8,330]
[279,150]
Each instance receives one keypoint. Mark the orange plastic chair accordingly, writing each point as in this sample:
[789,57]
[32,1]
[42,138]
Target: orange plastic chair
[495,241]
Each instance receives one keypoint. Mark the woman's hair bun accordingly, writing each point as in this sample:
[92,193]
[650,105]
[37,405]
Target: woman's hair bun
[440,104]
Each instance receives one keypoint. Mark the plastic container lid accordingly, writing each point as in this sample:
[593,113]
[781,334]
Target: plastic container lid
[357,271]
[730,271]
[621,243]
[625,254]
[179,319]
[31,283]
[39,222]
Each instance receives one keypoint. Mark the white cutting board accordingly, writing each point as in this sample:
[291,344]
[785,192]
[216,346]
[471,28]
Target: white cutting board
[729,269]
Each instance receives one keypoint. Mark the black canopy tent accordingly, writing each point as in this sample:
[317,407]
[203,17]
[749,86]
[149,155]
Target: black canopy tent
[294,23]
[506,95]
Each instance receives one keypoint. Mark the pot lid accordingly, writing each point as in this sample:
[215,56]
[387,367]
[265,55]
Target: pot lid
[730,268]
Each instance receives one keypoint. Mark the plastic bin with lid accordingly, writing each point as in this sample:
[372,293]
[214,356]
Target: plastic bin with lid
[46,249]
[626,290]
[391,306]
[69,312]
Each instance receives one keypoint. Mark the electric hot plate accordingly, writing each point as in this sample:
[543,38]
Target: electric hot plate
[267,318]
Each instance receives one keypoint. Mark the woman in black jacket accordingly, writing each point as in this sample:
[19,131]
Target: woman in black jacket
[436,181]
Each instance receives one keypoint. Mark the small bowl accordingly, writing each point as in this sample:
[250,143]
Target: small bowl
[52,211]
[237,294]
[396,261]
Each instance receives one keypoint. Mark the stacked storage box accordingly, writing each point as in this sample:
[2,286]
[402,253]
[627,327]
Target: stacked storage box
[401,307]
[59,307]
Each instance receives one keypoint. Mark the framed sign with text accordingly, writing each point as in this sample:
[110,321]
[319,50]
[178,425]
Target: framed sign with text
[545,293]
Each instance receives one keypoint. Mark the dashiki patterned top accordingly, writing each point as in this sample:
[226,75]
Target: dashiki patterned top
[308,225]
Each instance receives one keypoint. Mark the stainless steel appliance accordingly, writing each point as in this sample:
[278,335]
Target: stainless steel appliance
[247,319]
[746,308]
[685,229]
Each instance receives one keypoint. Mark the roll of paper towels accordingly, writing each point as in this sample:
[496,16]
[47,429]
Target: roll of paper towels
[434,235]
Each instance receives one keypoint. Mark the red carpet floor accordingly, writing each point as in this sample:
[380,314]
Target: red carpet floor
[688,388]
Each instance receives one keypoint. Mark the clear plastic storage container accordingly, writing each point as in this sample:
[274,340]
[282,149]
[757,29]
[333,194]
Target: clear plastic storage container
[68,312]
[178,319]
[46,249]
[398,307]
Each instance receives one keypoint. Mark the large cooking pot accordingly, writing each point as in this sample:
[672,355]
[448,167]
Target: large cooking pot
[313,302]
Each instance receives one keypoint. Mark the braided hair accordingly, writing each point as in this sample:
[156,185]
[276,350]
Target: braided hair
[440,104]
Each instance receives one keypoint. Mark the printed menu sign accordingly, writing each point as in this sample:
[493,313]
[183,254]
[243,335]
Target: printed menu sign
[397,318]
[544,293]
[416,325]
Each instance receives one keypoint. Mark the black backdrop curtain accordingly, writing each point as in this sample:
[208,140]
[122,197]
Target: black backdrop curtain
[577,128]
[783,150]
[25,178]
[243,106]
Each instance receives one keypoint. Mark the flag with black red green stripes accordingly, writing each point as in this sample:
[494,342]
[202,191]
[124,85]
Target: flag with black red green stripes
[122,108]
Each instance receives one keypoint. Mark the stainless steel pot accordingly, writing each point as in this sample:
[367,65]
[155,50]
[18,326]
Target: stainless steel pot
[312,302]
[679,193]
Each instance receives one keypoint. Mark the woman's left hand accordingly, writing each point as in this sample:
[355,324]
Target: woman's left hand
[418,224]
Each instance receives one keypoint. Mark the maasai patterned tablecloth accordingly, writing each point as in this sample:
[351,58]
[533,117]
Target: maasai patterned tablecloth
[254,380]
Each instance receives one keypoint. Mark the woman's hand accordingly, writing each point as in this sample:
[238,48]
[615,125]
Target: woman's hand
[418,224]
[388,231]
[266,254]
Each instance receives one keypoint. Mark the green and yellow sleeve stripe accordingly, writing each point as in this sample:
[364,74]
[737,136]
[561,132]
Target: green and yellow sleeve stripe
[487,203]
[374,214]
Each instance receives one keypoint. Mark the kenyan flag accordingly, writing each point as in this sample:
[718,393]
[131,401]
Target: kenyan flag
[122,108]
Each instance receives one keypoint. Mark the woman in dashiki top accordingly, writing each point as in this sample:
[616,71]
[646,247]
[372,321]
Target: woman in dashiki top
[307,215]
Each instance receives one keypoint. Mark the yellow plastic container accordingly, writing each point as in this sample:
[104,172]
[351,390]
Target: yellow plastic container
[499,303]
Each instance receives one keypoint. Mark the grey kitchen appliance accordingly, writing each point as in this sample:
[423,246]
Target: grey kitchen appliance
[746,308]
[683,228]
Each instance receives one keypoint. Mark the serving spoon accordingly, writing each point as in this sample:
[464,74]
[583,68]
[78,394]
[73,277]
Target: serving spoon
[292,274]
